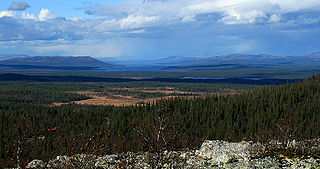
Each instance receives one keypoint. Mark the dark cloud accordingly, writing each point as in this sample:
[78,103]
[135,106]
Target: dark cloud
[18,5]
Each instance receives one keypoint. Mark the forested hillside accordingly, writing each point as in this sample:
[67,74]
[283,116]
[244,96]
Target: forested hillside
[32,129]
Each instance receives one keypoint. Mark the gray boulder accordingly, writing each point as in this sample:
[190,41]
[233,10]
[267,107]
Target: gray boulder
[218,151]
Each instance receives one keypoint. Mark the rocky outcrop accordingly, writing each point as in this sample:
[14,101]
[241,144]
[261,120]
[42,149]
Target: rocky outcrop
[212,154]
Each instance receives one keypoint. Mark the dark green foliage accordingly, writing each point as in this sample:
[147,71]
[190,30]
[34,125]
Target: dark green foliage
[16,94]
[284,112]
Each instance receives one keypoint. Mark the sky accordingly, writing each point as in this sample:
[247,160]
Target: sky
[144,29]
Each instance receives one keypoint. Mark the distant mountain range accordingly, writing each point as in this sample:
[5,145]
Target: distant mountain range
[10,56]
[53,62]
[173,59]
[245,61]
[167,60]
[185,63]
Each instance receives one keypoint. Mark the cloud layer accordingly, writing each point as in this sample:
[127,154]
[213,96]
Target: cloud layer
[228,11]
[154,28]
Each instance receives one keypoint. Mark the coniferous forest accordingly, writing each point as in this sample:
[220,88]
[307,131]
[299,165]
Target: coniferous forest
[31,128]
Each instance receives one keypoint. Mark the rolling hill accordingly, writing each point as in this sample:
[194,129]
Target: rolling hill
[54,62]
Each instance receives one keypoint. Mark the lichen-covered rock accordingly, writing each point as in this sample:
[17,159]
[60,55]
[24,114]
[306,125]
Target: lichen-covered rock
[106,161]
[59,162]
[36,164]
[224,152]
[305,163]
[263,163]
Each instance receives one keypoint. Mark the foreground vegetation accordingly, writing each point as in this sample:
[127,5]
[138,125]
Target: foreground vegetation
[30,128]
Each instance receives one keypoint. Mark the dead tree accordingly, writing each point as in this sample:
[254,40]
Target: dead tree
[159,133]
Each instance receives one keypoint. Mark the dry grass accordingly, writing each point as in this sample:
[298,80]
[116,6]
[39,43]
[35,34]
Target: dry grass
[116,100]
[167,90]
[121,100]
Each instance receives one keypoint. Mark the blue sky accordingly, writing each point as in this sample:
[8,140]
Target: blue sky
[158,28]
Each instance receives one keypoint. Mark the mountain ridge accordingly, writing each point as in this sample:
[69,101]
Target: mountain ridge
[260,60]
[55,61]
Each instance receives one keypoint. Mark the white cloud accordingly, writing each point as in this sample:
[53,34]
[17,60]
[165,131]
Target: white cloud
[234,17]
[46,14]
[274,18]
[136,21]
[188,18]
[138,31]
[28,16]
[7,13]
[235,12]
[118,25]
[75,19]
